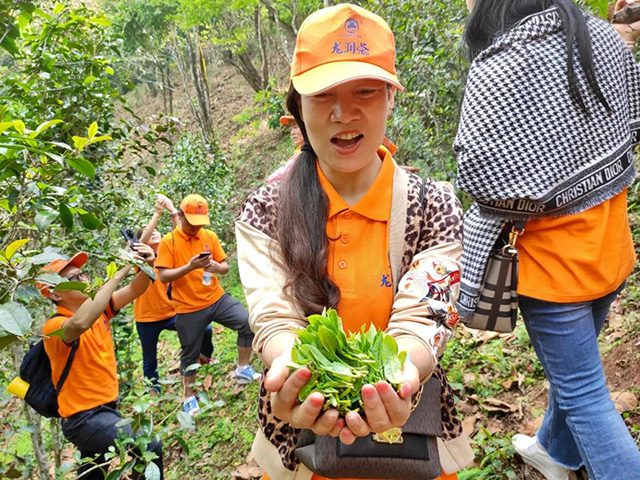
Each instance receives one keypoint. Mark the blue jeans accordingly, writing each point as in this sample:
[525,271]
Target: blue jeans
[149,333]
[581,425]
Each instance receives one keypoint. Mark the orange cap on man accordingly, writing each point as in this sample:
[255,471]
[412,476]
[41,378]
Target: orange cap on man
[342,43]
[195,209]
[78,260]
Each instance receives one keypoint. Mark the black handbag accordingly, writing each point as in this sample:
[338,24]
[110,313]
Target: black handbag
[408,453]
[497,307]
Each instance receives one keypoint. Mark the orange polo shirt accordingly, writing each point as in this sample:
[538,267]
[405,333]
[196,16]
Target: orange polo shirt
[154,304]
[577,258]
[176,249]
[92,378]
[358,261]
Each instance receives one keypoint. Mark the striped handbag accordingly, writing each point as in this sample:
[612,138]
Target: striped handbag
[497,307]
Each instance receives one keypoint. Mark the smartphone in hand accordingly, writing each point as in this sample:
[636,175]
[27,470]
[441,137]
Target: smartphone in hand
[204,255]
[129,236]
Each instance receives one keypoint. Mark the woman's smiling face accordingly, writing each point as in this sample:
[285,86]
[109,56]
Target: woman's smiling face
[346,124]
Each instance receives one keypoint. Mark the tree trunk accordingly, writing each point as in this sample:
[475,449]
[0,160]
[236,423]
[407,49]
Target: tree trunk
[198,75]
[263,47]
[245,67]
[33,420]
[169,87]
[56,438]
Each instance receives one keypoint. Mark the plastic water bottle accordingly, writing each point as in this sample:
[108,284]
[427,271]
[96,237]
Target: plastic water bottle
[206,278]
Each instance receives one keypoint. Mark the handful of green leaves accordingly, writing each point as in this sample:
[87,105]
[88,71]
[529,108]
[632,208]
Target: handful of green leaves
[341,365]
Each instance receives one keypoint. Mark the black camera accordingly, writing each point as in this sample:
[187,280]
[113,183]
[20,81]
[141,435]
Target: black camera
[129,236]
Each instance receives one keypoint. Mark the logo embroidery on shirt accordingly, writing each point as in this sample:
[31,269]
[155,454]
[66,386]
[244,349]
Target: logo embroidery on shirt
[385,281]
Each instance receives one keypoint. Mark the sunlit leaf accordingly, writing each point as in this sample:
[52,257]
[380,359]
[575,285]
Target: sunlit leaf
[79,142]
[112,268]
[44,126]
[93,128]
[101,138]
[13,247]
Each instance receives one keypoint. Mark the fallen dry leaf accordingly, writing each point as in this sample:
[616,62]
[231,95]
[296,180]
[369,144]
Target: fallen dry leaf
[488,336]
[532,427]
[494,426]
[495,405]
[624,401]
[206,383]
[469,424]
[507,384]
[615,321]
[469,377]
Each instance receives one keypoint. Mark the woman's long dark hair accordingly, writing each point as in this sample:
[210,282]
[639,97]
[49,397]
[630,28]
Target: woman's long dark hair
[301,229]
[490,18]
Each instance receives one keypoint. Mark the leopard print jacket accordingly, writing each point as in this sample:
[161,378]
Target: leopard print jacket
[437,220]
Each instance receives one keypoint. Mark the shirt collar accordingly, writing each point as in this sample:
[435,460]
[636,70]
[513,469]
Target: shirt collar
[376,203]
[178,231]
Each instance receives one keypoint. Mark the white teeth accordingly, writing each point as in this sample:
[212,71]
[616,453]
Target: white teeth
[347,136]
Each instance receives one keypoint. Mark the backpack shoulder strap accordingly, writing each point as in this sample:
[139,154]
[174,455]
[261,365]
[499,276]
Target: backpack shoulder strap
[67,367]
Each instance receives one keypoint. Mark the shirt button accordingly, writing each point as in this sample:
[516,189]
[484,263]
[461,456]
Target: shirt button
[344,238]
[348,215]
[342,264]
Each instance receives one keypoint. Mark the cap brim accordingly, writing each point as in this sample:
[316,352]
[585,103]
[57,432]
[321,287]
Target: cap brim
[332,74]
[197,220]
[79,259]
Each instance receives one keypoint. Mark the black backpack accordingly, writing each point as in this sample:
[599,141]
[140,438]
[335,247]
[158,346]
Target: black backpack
[35,369]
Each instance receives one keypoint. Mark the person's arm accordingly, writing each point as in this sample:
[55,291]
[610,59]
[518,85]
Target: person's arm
[90,310]
[219,268]
[173,211]
[153,223]
[422,319]
[139,284]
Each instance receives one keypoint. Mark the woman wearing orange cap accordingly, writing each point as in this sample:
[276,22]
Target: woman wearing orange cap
[298,140]
[341,230]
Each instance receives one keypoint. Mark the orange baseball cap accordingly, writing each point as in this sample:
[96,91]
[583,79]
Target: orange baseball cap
[343,43]
[78,260]
[195,209]
[287,120]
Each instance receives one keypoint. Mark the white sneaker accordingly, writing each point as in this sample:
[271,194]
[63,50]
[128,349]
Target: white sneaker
[536,456]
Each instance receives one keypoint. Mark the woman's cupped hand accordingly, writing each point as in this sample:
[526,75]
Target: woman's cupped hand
[384,408]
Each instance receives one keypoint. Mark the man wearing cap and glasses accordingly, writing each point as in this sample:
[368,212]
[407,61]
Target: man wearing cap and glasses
[87,400]
[189,258]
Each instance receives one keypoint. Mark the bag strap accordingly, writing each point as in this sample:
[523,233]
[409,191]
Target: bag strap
[67,367]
